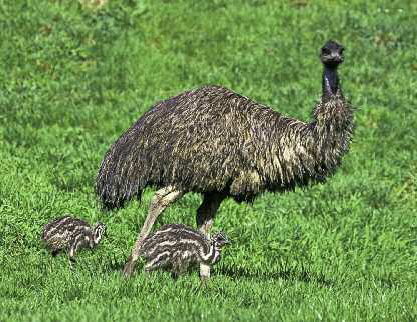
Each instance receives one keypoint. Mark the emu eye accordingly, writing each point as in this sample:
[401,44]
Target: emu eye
[325,51]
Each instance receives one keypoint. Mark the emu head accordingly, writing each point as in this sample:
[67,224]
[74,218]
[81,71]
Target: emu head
[220,239]
[331,54]
[99,231]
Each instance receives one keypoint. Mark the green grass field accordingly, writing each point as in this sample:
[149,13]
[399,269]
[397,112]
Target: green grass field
[72,80]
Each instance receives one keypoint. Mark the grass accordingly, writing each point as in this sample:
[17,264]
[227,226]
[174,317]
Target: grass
[73,79]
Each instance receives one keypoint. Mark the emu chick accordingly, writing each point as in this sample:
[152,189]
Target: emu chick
[176,247]
[71,234]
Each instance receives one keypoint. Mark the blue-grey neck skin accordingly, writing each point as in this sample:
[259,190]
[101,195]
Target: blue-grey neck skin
[330,81]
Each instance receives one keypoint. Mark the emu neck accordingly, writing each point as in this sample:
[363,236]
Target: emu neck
[213,255]
[330,133]
[330,84]
[97,238]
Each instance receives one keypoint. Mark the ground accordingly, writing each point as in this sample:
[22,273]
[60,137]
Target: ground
[73,79]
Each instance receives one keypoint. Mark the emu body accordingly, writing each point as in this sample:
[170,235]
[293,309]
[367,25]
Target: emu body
[222,144]
[176,248]
[71,234]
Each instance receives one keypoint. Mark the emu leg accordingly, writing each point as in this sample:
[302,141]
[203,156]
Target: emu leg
[75,245]
[205,215]
[71,255]
[178,270]
[162,199]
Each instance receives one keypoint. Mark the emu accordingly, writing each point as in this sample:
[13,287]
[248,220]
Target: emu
[176,247]
[72,234]
[216,142]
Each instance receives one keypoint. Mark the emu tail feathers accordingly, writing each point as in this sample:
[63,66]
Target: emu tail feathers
[113,187]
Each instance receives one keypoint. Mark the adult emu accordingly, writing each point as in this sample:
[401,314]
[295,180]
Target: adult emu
[216,142]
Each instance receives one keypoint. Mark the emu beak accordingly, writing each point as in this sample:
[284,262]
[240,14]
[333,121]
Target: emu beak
[337,58]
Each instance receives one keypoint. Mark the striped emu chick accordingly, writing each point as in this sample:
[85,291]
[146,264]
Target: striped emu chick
[71,234]
[176,248]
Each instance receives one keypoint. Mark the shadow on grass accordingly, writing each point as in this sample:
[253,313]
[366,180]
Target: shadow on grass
[290,274]
[118,266]
[285,274]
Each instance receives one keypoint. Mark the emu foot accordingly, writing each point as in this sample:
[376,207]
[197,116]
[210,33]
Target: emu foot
[204,282]
[72,263]
[128,270]
[175,276]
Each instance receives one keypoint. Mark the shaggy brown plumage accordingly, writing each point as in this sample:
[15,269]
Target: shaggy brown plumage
[212,139]
[217,142]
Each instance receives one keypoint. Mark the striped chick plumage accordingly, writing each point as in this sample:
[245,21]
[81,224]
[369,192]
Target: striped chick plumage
[71,234]
[176,247]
